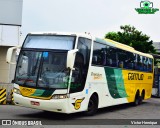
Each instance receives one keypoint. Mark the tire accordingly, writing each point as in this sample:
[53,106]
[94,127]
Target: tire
[143,95]
[140,99]
[92,106]
[137,100]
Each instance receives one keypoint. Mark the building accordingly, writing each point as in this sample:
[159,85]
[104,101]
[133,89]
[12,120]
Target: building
[10,23]
[157,46]
[9,37]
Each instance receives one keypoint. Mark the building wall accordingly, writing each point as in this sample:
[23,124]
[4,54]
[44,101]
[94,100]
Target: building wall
[9,37]
[6,70]
[157,46]
[12,67]
[10,22]
[4,67]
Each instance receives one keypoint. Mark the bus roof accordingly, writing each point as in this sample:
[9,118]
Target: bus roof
[89,36]
[128,48]
[86,35]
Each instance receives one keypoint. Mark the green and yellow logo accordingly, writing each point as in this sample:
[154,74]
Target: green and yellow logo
[146,7]
[77,103]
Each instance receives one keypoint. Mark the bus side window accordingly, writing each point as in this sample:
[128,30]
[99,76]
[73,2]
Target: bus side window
[103,54]
[112,55]
[121,58]
[97,58]
[144,64]
[139,63]
[108,56]
[99,54]
[100,58]
[94,59]
[130,62]
[147,65]
[150,65]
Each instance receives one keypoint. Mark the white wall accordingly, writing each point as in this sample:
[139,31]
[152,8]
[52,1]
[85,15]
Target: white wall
[10,22]
[9,35]
[7,71]
[4,67]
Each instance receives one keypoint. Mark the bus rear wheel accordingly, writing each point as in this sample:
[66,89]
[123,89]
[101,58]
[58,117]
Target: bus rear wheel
[138,100]
[92,106]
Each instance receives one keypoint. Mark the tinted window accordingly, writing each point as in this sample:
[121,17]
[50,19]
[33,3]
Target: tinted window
[122,58]
[111,57]
[145,63]
[150,65]
[81,65]
[130,61]
[99,57]
[105,55]
[139,61]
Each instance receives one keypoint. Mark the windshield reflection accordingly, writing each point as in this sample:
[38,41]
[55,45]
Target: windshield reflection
[42,69]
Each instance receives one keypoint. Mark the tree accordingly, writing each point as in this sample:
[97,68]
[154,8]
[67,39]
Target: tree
[132,37]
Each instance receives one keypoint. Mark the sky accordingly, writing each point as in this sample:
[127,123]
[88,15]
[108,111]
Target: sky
[97,17]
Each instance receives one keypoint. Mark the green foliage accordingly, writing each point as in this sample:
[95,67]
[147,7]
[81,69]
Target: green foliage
[132,37]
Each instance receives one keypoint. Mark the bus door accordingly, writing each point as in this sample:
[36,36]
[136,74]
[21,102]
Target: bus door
[79,75]
[156,84]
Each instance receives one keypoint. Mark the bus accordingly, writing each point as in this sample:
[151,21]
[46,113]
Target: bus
[73,72]
[156,84]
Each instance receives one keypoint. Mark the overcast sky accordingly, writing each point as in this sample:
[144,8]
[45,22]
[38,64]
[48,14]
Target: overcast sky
[95,16]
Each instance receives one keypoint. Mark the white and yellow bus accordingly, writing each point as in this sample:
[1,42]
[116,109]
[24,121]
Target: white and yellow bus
[70,72]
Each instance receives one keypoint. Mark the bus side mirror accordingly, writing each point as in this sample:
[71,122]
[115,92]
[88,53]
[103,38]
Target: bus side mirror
[9,55]
[70,58]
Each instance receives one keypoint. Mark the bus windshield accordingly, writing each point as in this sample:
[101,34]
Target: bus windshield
[42,61]
[42,69]
[49,42]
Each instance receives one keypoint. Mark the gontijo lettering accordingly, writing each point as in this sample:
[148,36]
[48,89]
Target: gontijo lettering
[27,89]
[135,76]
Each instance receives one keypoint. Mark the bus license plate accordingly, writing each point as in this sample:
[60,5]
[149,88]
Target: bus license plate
[35,103]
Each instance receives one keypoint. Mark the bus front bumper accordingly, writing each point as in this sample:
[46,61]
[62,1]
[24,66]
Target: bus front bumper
[54,105]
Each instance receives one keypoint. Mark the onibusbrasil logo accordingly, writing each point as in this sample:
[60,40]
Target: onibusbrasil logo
[146,7]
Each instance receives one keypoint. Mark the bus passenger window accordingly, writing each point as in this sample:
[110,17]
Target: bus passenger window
[147,65]
[120,64]
[99,54]
[144,64]
[130,61]
[139,63]
[107,56]
[94,59]
[103,54]
[150,65]
[122,57]
[109,62]
[97,58]
[111,57]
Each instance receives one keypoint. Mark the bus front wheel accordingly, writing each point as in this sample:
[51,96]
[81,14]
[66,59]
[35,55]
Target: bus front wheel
[92,105]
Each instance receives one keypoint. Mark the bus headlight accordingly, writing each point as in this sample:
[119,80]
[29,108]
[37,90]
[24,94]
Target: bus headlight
[15,90]
[60,96]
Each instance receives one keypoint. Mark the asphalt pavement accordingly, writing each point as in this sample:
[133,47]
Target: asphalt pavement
[149,111]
